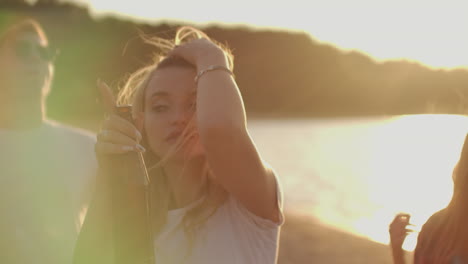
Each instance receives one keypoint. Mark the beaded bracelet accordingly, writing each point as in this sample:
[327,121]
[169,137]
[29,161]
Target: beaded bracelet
[212,68]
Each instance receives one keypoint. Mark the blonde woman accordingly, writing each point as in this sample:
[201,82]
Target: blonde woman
[214,198]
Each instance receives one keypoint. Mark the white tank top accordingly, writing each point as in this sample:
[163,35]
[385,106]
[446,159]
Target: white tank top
[232,235]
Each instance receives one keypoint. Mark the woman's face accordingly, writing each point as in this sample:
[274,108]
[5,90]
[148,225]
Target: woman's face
[170,99]
[24,63]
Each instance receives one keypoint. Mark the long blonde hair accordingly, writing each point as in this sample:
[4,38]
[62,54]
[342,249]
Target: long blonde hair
[133,92]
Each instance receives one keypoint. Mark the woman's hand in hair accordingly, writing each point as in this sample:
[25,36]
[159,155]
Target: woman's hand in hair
[117,135]
[202,53]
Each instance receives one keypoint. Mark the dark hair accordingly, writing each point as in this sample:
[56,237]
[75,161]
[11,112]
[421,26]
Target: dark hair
[461,177]
[448,232]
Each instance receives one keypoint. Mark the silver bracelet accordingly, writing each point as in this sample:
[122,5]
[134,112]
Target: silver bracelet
[212,68]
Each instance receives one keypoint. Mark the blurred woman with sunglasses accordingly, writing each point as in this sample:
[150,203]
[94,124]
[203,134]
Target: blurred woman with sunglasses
[45,168]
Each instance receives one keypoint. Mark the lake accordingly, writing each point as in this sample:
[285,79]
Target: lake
[355,174]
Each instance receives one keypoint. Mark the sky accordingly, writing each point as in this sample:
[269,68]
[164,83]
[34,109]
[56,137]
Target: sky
[431,32]
[434,33]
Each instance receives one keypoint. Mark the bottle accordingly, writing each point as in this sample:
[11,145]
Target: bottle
[130,205]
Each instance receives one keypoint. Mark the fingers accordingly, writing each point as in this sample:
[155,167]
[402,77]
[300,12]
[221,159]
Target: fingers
[110,148]
[112,142]
[198,49]
[182,51]
[412,228]
[119,124]
[118,136]
[401,231]
[399,222]
[398,229]
[113,137]
[398,236]
[395,232]
[403,215]
[401,218]
[400,226]
[107,96]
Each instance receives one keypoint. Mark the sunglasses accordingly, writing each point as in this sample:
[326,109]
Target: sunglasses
[27,50]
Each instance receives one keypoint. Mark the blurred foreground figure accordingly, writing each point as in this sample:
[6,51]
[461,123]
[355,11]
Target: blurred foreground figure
[46,169]
[444,237]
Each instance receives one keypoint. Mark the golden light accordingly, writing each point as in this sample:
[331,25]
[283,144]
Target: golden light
[430,32]
[411,172]
[355,174]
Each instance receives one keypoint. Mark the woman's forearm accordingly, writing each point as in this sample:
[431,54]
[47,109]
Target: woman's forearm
[219,102]
[398,255]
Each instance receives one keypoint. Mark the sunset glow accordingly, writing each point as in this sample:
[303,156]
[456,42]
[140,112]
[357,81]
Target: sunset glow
[411,170]
[428,32]
[356,174]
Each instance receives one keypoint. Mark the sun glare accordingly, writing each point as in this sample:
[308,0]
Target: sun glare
[356,174]
[428,32]
[411,170]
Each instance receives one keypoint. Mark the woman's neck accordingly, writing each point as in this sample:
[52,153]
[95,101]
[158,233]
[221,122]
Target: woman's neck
[21,116]
[186,180]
